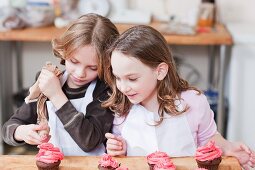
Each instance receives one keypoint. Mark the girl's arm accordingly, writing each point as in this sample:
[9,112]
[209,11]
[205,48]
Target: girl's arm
[244,154]
[88,131]
[21,126]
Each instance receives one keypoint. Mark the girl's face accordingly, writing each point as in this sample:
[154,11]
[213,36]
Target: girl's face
[134,79]
[82,66]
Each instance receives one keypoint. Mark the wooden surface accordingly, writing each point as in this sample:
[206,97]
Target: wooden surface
[217,36]
[27,162]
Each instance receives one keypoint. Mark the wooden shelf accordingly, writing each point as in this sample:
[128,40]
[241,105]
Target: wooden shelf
[217,36]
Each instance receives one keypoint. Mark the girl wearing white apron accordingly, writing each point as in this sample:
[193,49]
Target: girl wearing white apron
[82,50]
[145,85]
[59,136]
[172,136]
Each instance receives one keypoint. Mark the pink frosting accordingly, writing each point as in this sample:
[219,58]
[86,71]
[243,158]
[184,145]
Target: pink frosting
[200,169]
[208,152]
[48,153]
[108,161]
[154,157]
[165,164]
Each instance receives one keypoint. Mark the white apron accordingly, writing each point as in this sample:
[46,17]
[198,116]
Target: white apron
[59,136]
[172,136]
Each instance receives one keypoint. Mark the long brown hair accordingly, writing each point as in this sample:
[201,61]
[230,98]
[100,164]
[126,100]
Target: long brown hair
[149,46]
[89,29]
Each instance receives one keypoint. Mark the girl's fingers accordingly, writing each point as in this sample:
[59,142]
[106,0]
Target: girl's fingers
[112,153]
[115,153]
[245,148]
[113,147]
[33,135]
[114,142]
[253,155]
[246,167]
[32,141]
[110,136]
[251,164]
[112,139]
[38,127]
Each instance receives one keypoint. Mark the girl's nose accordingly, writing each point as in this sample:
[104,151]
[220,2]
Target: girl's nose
[81,72]
[124,88]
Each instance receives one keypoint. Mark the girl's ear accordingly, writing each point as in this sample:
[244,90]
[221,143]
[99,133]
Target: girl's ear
[162,70]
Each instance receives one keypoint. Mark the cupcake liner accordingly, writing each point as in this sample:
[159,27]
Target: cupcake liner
[151,166]
[210,165]
[105,168]
[47,166]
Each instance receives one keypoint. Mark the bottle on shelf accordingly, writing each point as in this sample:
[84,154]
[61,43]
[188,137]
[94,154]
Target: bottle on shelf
[207,14]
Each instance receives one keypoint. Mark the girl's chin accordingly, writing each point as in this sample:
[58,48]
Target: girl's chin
[76,85]
[134,101]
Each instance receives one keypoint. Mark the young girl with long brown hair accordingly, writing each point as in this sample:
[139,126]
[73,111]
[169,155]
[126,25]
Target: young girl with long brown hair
[157,110]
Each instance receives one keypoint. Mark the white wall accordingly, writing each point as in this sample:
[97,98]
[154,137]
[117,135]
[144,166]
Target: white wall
[238,15]
[35,54]
[236,10]
[242,92]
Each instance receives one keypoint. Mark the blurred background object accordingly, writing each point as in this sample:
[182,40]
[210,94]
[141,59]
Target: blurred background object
[206,16]
[26,13]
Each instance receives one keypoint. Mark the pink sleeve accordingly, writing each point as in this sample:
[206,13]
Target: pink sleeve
[200,117]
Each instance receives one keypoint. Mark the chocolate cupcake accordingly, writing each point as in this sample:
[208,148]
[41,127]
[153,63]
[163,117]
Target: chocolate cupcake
[208,156]
[155,157]
[47,166]
[48,157]
[107,163]
[164,164]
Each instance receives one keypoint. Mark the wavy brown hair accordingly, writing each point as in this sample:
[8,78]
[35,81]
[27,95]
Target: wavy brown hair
[149,46]
[89,29]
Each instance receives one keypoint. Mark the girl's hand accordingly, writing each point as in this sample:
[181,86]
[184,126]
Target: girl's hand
[50,86]
[244,154]
[49,83]
[28,133]
[115,145]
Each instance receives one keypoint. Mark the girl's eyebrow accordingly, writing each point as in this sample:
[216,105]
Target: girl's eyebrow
[92,65]
[127,75]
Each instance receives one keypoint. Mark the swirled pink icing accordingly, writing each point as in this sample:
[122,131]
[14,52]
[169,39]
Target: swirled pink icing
[108,161]
[208,152]
[48,153]
[154,157]
[165,164]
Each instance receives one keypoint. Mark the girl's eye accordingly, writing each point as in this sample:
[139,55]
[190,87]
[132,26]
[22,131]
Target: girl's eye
[93,68]
[132,79]
[73,61]
[117,78]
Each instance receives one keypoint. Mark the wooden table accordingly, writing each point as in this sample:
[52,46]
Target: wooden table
[27,162]
[10,41]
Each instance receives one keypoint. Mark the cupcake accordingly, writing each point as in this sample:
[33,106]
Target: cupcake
[155,157]
[164,164]
[208,156]
[107,163]
[48,157]
[122,168]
